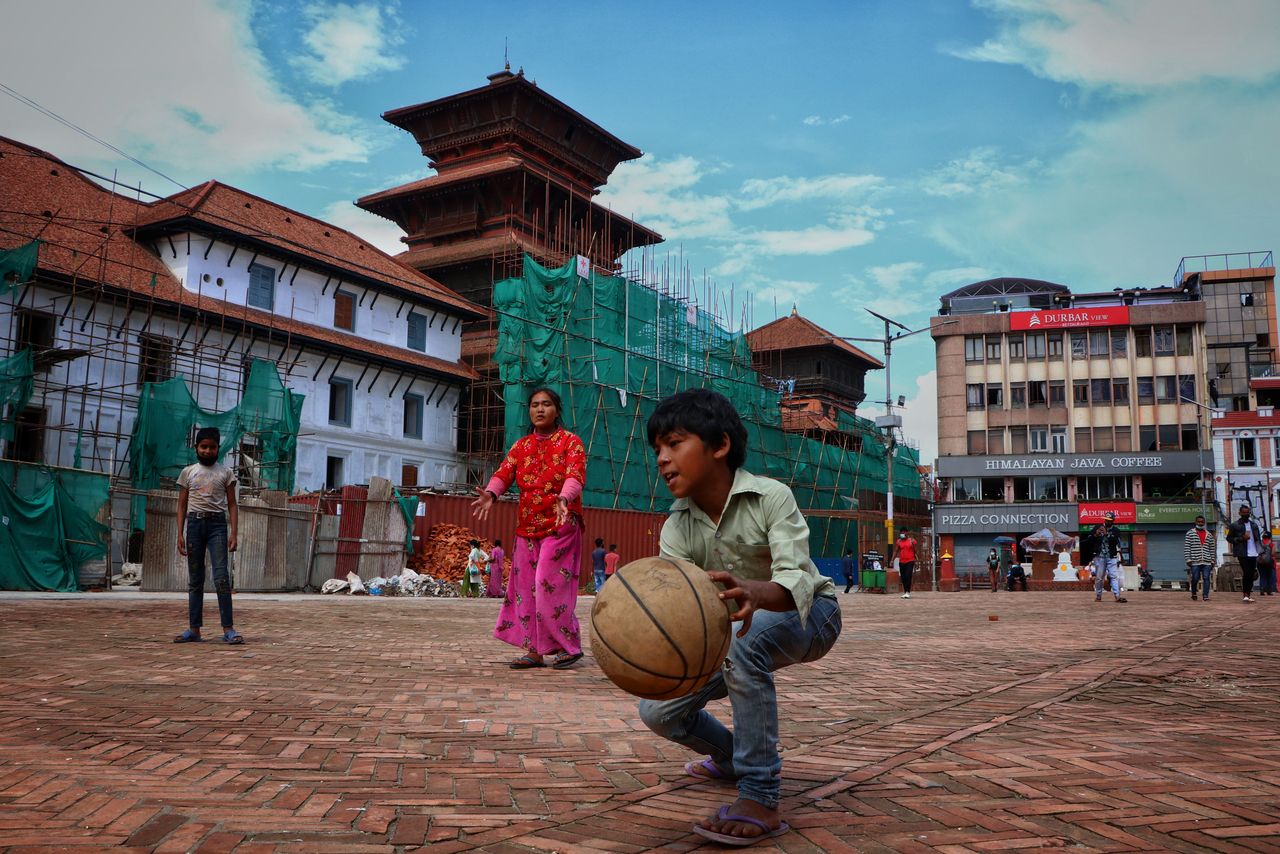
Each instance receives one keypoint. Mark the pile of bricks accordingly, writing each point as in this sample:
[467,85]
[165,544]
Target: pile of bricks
[444,555]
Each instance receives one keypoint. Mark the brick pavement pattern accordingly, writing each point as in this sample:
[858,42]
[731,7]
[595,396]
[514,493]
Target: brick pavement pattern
[349,724]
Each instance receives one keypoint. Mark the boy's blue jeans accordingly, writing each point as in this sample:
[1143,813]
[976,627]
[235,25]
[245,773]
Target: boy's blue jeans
[207,532]
[776,639]
[599,579]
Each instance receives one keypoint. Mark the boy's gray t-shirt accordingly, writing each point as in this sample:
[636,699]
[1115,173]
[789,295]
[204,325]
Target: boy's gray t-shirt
[206,487]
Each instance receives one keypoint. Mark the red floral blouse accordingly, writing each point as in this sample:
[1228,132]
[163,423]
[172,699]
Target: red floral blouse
[538,466]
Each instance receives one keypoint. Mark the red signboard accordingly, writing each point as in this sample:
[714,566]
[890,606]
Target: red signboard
[1068,318]
[1091,512]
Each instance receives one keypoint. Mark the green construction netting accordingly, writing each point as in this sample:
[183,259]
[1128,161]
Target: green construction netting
[264,427]
[16,384]
[17,265]
[612,348]
[48,525]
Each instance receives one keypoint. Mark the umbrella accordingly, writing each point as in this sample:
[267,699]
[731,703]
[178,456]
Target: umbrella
[1003,540]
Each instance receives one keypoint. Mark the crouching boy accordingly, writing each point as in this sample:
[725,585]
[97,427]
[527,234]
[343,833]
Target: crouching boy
[749,535]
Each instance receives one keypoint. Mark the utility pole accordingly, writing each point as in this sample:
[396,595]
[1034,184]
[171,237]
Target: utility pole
[888,422]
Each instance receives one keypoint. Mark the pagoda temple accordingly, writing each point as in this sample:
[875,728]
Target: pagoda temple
[517,171]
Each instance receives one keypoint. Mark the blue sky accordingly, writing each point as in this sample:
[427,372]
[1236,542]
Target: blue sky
[835,155]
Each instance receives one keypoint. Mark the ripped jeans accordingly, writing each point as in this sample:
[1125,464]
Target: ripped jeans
[207,532]
[776,639]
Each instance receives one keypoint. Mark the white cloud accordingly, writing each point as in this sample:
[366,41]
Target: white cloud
[762,192]
[380,232]
[920,417]
[660,194]
[819,121]
[198,101]
[1135,191]
[1135,44]
[954,277]
[349,41]
[978,172]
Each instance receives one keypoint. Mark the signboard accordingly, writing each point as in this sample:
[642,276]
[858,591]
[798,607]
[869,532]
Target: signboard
[1091,512]
[1014,465]
[1069,318]
[1168,514]
[1002,518]
[583,266]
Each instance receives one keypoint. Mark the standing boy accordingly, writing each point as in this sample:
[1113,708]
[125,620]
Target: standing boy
[597,563]
[749,535]
[1200,551]
[207,522]
[611,559]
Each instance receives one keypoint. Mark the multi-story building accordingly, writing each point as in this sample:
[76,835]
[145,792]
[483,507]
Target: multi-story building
[1238,290]
[1055,407]
[202,283]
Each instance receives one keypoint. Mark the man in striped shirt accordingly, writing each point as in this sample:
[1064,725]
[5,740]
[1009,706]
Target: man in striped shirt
[1199,549]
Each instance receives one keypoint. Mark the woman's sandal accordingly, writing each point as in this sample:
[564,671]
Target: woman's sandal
[188,636]
[564,660]
[526,662]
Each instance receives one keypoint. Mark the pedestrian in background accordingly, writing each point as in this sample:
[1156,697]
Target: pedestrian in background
[1266,567]
[1200,550]
[549,467]
[476,562]
[993,570]
[1245,538]
[611,559]
[846,567]
[1106,560]
[496,556]
[906,561]
[597,563]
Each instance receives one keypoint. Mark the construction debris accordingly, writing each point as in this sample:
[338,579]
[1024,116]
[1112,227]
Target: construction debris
[407,583]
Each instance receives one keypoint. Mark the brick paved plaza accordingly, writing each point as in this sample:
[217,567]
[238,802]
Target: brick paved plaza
[393,724]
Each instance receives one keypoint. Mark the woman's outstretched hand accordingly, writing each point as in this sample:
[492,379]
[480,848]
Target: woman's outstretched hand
[480,507]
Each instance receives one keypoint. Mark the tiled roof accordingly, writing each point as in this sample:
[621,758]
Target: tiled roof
[82,228]
[229,209]
[1245,419]
[446,177]
[795,332]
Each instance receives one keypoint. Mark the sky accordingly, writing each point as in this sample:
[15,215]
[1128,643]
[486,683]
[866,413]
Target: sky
[835,156]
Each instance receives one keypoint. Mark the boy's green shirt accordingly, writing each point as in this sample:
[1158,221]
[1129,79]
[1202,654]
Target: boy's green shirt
[762,536]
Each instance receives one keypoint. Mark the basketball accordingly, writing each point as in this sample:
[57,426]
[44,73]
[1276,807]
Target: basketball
[659,629]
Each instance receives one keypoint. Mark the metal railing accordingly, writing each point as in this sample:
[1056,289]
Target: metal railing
[1223,261]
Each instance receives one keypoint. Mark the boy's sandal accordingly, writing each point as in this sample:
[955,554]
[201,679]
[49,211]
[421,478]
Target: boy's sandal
[565,660]
[707,769]
[232,636]
[723,814]
[525,662]
[188,636]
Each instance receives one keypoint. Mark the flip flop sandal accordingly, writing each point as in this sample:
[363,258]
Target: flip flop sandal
[766,832]
[707,769]
[564,660]
[524,662]
[188,636]
[232,636]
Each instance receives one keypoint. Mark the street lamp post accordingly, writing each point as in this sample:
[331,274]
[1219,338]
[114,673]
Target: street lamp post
[1200,408]
[888,421]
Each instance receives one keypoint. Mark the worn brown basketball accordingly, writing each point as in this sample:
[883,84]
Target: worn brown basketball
[659,629]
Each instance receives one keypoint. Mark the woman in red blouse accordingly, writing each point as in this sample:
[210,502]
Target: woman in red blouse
[549,467]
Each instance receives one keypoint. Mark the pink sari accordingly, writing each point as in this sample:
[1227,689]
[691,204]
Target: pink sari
[538,611]
[496,557]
